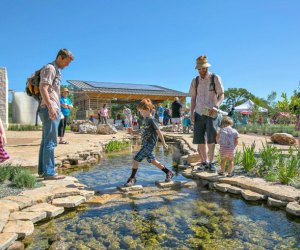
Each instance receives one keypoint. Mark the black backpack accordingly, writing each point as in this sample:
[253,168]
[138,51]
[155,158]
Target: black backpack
[212,86]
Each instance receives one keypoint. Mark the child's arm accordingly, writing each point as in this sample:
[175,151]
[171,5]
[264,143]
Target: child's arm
[218,136]
[161,137]
[236,141]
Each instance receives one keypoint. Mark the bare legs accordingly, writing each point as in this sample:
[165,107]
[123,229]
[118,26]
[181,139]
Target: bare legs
[203,154]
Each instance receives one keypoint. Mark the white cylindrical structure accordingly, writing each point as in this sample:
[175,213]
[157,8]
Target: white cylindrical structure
[24,109]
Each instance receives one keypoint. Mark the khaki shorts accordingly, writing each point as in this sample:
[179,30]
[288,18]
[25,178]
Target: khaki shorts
[176,120]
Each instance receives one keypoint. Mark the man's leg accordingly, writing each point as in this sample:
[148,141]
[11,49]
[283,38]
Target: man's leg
[211,151]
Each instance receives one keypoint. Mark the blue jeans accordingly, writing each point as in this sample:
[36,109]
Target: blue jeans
[49,142]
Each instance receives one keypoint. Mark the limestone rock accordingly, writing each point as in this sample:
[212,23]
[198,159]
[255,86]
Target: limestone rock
[23,201]
[103,198]
[92,160]
[9,205]
[276,203]
[283,139]
[212,185]
[252,196]
[32,216]
[4,215]
[51,210]
[71,201]
[17,245]
[193,158]
[60,192]
[214,177]
[6,239]
[171,184]
[132,188]
[293,208]
[106,129]
[187,173]
[234,190]
[87,128]
[39,195]
[21,227]
[223,187]
[188,184]
[87,193]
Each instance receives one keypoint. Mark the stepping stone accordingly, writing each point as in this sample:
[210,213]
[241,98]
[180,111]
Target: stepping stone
[293,208]
[187,173]
[234,190]
[17,245]
[87,193]
[32,216]
[252,196]
[212,185]
[222,187]
[6,239]
[4,215]
[207,176]
[130,189]
[181,166]
[39,195]
[276,203]
[23,201]
[71,201]
[9,205]
[21,227]
[50,210]
[163,184]
[60,192]
[188,184]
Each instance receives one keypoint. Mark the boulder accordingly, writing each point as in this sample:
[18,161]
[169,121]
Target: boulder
[17,245]
[283,139]
[252,196]
[106,129]
[87,128]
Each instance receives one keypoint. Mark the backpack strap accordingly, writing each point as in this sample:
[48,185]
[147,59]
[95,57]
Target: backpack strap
[212,83]
[197,83]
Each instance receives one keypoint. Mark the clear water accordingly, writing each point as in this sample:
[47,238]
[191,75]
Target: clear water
[189,218]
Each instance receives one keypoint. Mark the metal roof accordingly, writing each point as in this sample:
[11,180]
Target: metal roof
[123,88]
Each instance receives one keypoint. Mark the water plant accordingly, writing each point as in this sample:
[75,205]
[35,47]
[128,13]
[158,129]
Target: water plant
[117,145]
[237,158]
[288,167]
[248,159]
[269,157]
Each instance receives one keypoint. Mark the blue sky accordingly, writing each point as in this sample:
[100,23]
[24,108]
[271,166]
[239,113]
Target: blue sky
[250,44]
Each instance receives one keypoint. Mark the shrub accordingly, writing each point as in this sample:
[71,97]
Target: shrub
[237,158]
[24,179]
[4,174]
[248,158]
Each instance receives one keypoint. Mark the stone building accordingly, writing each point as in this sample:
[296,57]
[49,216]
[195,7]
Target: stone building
[4,96]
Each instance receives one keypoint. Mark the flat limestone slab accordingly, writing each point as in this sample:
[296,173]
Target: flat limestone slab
[4,215]
[222,187]
[50,210]
[187,173]
[188,184]
[213,177]
[71,201]
[9,205]
[130,189]
[60,192]
[21,227]
[234,190]
[170,184]
[273,190]
[276,203]
[23,201]
[39,195]
[32,216]
[293,208]
[6,239]
[252,196]
[87,193]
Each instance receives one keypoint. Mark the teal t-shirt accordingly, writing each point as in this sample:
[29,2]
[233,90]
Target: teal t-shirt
[65,100]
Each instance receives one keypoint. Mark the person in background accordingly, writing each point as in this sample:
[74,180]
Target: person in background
[103,114]
[92,119]
[135,120]
[3,154]
[232,116]
[160,113]
[149,134]
[166,115]
[49,112]
[65,109]
[186,121]
[228,140]
[128,116]
[176,114]
[207,94]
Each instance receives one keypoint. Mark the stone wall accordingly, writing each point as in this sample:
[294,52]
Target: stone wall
[4,96]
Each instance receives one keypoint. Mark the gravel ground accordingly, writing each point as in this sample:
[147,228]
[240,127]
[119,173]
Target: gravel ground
[6,189]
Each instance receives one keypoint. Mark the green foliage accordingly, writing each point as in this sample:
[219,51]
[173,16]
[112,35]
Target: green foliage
[237,158]
[269,157]
[24,179]
[4,174]
[235,96]
[288,167]
[115,145]
[248,158]
[24,127]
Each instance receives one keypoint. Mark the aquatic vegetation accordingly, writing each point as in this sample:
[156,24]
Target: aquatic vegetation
[117,145]
[248,159]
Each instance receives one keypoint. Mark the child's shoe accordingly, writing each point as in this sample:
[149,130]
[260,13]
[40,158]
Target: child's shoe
[130,182]
[169,176]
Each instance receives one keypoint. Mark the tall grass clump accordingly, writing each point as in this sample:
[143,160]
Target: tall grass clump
[24,127]
[24,179]
[116,145]
[248,159]
[269,156]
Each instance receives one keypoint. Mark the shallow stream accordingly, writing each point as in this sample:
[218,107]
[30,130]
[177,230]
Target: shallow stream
[188,218]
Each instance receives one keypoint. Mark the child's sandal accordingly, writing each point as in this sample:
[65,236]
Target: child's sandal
[230,174]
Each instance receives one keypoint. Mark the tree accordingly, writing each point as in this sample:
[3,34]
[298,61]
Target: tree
[235,96]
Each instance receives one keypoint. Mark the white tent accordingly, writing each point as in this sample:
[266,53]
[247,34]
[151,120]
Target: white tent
[248,106]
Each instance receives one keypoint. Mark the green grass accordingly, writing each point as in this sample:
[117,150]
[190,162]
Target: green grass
[117,145]
[23,127]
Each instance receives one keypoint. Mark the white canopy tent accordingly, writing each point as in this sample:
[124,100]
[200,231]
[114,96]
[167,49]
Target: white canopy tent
[248,106]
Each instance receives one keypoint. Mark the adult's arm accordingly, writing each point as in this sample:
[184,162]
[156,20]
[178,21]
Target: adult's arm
[46,98]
